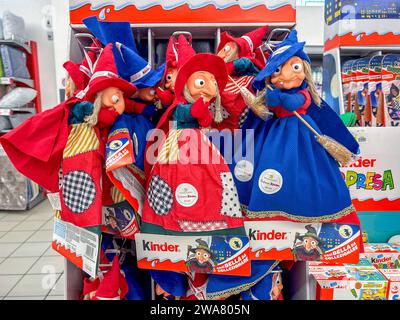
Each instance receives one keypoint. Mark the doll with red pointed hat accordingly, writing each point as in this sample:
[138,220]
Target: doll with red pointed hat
[179,200]
[176,43]
[242,66]
[85,187]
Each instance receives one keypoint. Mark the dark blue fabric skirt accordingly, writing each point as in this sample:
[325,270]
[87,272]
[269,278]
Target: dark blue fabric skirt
[295,177]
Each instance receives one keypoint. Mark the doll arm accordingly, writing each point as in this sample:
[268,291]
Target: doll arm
[293,101]
[166,97]
[79,111]
[242,67]
[200,111]
[132,106]
[273,98]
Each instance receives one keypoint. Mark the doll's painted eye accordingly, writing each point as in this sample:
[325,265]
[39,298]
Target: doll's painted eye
[198,254]
[199,83]
[115,98]
[313,243]
[297,67]
[206,256]
[168,77]
[227,48]
[152,92]
[277,71]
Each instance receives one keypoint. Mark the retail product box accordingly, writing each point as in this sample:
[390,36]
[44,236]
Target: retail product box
[350,283]
[361,99]
[361,23]
[375,91]
[391,89]
[225,255]
[347,84]
[372,178]
[285,240]
[393,276]
[382,255]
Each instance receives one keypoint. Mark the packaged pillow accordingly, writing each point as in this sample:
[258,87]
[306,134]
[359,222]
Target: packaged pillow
[13,26]
[14,62]
[5,123]
[1,30]
[18,98]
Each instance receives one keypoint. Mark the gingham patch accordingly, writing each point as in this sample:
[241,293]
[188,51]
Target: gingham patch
[243,116]
[201,226]
[225,114]
[160,196]
[79,191]
[230,202]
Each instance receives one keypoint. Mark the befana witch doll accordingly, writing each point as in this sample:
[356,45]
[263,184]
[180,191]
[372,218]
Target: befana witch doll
[296,178]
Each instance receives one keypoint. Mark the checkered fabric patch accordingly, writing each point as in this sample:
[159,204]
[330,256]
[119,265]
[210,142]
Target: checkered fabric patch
[225,114]
[201,226]
[243,116]
[160,196]
[79,191]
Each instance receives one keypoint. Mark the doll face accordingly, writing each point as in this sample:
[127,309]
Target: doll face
[289,75]
[229,52]
[202,256]
[202,84]
[113,98]
[170,79]
[146,94]
[310,243]
[68,88]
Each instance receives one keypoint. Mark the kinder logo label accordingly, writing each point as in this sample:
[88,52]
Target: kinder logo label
[370,180]
[258,235]
[380,260]
[160,247]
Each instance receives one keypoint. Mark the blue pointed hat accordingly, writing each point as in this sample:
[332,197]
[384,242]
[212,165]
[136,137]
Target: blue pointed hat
[137,70]
[112,32]
[288,48]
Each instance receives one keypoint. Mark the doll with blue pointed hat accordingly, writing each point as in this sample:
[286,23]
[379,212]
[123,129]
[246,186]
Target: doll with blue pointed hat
[139,72]
[292,164]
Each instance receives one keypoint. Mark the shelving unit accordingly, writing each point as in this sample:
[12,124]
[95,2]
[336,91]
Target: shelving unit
[33,193]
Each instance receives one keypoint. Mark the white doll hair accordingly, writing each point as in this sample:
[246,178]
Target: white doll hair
[93,118]
[311,85]
[218,112]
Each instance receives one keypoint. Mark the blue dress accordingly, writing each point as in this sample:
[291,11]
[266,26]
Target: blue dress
[295,178]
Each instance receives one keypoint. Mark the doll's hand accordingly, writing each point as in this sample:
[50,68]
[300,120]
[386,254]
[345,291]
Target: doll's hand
[199,110]
[292,101]
[273,98]
[166,97]
[149,111]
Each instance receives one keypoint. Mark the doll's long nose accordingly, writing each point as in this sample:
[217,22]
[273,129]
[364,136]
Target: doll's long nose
[286,71]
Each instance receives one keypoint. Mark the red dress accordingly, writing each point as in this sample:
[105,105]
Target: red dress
[190,187]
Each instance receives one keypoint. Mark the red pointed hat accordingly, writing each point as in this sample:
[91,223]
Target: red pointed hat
[81,73]
[247,43]
[114,285]
[201,62]
[171,55]
[105,75]
[177,53]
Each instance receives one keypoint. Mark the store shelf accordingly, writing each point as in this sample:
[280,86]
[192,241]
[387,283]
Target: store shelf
[18,43]
[12,80]
[10,111]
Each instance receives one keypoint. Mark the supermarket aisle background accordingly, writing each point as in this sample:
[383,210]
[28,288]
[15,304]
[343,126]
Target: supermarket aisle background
[29,268]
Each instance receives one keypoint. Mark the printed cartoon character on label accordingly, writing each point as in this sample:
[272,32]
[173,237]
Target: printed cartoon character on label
[310,247]
[394,102]
[201,261]
[297,159]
